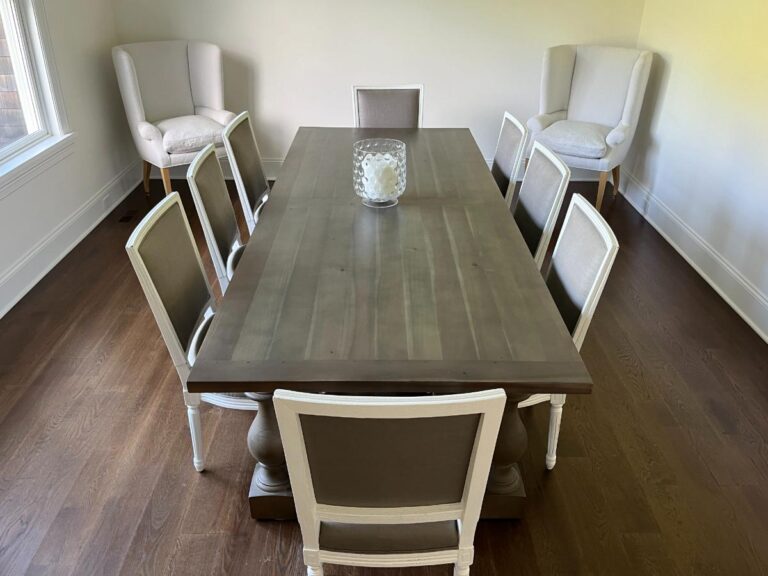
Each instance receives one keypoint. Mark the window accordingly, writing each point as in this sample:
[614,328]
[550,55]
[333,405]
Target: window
[28,110]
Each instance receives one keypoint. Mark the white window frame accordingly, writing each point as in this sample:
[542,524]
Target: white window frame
[29,45]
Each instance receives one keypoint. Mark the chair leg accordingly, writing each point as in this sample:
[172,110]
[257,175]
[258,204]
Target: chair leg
[315,570]
[555,415]
[166,174]
[601,189]
[460,570]
[616,180]
[147,170]
[196,430]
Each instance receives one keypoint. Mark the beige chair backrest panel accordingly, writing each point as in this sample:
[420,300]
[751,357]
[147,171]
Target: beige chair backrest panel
[249,162]
[214,195]
[206,76]
[388,108]
[600,83]
[162,71]
[581,255]
[385,462]
[506,160]
[537,194]
[172,262]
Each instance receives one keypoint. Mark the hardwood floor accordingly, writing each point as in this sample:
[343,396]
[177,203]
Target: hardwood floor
[662,470]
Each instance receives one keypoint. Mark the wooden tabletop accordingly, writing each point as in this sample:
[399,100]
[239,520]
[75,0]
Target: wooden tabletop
[439,294]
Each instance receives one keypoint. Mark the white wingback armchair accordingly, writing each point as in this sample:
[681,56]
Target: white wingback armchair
[590,103]
[173,96]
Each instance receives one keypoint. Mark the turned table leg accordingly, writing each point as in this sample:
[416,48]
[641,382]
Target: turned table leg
[505,493]
[270,495]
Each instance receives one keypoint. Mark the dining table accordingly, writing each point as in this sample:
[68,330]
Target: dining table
[436,295]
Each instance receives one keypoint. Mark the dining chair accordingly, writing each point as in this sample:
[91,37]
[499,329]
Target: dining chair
[247,168]
[173,94]
[510,151]
[590,104]
[388,106]
[217,217]
[166,261]
[541,195]
[577,274]
[388,482]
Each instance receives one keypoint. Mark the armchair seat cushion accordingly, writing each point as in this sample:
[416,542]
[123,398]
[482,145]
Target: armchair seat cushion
[580,139]
[186,134]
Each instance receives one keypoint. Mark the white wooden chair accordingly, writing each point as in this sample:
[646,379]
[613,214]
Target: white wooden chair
[247,168]
[388,482]
[388,106]
[541,195]
[209,192]
[582,260]
[167,263]
[509,155]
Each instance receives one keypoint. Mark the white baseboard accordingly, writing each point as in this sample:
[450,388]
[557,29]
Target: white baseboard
[28,270]
[737,290]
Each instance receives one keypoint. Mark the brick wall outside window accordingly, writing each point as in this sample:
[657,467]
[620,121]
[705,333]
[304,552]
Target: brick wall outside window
[12,125]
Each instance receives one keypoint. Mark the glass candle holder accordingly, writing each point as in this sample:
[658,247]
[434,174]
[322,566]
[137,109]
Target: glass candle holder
[379,171]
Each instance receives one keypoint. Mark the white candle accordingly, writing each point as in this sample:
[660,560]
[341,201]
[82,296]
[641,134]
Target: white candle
[380,176]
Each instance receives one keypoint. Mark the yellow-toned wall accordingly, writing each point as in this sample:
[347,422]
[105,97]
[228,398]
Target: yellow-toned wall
[701,154]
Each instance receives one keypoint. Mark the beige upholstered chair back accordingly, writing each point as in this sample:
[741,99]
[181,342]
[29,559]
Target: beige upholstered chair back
[593,83]
[167,79]
[388,107]
[541,196]
[508,158]
[580,265]
[167,263]
[365,471]
[211,197]
[245,160]
[385,462]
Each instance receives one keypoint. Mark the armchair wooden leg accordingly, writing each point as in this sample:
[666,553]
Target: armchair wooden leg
[147,170]
[616,179]
[166,174]
[601,189]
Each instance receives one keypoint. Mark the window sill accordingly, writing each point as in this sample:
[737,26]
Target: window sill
[23,167]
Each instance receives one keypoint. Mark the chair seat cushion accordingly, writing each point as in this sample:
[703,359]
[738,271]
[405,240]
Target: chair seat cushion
[388,538]
[186,134]
[580,139]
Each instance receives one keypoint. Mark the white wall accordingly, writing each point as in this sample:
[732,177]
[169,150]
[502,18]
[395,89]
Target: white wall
[41,220]
[699,173]
[293,62]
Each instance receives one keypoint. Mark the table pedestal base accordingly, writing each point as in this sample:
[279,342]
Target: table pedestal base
[507,506]
[270,505]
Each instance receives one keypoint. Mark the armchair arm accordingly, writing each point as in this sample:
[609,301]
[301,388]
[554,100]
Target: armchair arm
[149,131]
[542,121]
[223,117]
[618,135]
